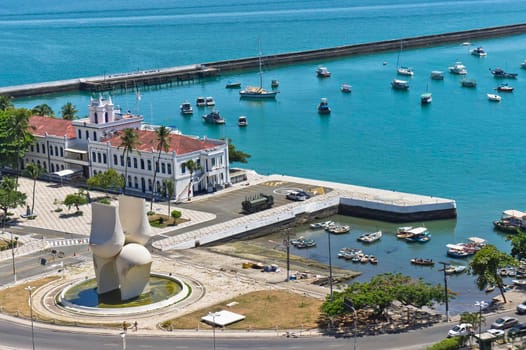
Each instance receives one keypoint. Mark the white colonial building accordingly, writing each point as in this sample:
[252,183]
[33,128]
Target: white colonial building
[92,145]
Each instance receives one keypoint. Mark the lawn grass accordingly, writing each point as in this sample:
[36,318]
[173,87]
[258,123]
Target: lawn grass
[162,221]
[275,309]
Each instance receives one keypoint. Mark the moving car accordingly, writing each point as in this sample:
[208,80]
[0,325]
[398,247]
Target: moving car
[504,323]
[460,329]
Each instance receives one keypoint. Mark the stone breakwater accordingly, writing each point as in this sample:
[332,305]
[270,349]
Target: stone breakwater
[196,72]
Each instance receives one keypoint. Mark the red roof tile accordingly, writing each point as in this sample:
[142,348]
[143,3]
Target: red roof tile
[52,126]
[179,143]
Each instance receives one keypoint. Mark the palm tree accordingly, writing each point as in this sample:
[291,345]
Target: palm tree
[34,171]
[129,141]
[163,142]
[43,110]
[192,167]
[168,190]
[18,124]
[69,111]
[5,103]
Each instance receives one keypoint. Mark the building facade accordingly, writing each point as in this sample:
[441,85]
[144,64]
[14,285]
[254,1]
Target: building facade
[92,145]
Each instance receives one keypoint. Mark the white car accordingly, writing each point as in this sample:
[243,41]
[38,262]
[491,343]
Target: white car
[496,332]
[521,308]
[296,196]
[460,329]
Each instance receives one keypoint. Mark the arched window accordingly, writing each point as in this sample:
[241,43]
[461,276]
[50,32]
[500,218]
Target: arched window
[150,185]
[129,181]
[80,134]
[94,156]
[94,136]
[96,118]
[61,152]
[143,184]
[51,151]
[169,168]
[115,162]
[136,182]
[56,150]
[163,168]
[104,159]
[135,163]
[142,164]
[87,134]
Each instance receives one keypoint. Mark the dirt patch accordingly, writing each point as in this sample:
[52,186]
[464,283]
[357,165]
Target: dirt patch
[15,300]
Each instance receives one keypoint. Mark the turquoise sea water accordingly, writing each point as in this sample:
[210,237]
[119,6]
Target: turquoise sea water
[461,146]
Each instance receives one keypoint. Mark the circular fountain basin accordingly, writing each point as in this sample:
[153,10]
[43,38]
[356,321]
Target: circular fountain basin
[162,291]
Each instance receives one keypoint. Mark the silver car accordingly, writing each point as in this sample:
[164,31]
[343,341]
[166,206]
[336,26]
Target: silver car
[504,323]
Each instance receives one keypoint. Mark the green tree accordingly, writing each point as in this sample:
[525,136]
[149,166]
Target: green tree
[129,142]
[235,155]
[518,245]
[10,197]
[162,137]
[76,200]
[5,103]
[69,111]
[15,136]
[486,265]
[110,179]
[192,167]
[43,110]
[168,191]
[33,171]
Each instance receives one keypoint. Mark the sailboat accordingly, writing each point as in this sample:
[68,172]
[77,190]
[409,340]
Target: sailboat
[401,69]
[258,92]
[426,97]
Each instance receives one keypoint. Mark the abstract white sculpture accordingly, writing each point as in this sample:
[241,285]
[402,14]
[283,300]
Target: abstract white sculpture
[117,240]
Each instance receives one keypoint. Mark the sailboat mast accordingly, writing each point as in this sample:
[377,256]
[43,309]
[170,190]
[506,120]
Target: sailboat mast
[260,64]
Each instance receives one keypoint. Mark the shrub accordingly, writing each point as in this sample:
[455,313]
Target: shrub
[446,344]
[176,214]
[105,201]
[150,213]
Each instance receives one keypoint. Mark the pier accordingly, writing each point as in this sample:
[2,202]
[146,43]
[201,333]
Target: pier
[197,72]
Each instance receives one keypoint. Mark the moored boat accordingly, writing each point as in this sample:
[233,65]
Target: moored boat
[437,75]
[209,100]
[500,73]
[323,72]
[373,259]
[242,121]
[186,108]
[200,101]
[323,224]
[323,106]
[258,93]
[420,261]
[339,229]
[233,85]
[523,64]
[405,71]
[479,52]
[494,97]
[468,82]
[274,83]
[511,221]
[213,118]
[426,98]
[370,237]
[398,84]
[454,269]
[504,88]
[458,68]
[417,234]
[302,243]
[346,88]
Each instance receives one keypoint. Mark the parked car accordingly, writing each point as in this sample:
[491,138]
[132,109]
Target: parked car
[460,329]
[498,333]
[296,196]
[517,331]
[521,308]
[504,323]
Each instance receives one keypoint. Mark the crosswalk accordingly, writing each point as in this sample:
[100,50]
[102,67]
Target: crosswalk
[67,242]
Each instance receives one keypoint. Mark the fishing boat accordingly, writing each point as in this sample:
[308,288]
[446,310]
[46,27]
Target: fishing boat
[346,88]
[468,82]
[504,88]
[437,75]
[458,68]
[417,234]
[479,52]
[233,85]
[186,108]
[424,262]
[398,84]
[242,121]
[500,73]
[370,237]
[323,72]
[259,93]
[494,97]
[213,118]
[323,106]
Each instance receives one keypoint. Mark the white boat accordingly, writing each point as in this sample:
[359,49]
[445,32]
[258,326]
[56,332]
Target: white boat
[209,101]
[458,68]
[523,64]
[451,269]
[398,84]
[466,43]
[339,229]
[242,121]
[200,101]
[213,118]
[323,72]
[426,98]
[346,88]
[504,88]
[370,237]
[258,92]
[402,70]
[186,108]
[437,75]
[494,97]
[479,51]
[323,224]
[323,106]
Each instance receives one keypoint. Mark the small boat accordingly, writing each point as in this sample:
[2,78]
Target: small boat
[454,269]
[323,224]
[186,108]
[405,71]
[466,43]
[519,283]
[346,88]
[242,121]
[500,73]
[426,98]
[504,88]
[274,83]
[349,253]
[494,97]
[418,234]
[404,231]
[468,82]
[233,85]
[479,52]
[370,237]
[302,243]
[339,229]
[213,118]
[511,221]
[323,107]
[398,84]
[523,64]
[210,101]
[489,288]
[364,259]
[424,262]
[373,259]
[200,101]
[357,258]
[323,72]
[458,68]
[437,75]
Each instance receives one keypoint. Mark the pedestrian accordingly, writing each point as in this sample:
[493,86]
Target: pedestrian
[124,326]
[135,326]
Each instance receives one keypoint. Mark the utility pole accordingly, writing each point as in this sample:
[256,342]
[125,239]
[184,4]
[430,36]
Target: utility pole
[330,265]
[445,265]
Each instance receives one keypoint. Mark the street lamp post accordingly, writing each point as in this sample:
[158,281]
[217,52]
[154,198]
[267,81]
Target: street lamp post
[445,265]
[213,314]
[30,290]
[330,266]
[123,337]
[14,244]
[287,244]
[348,304]
[481,305]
